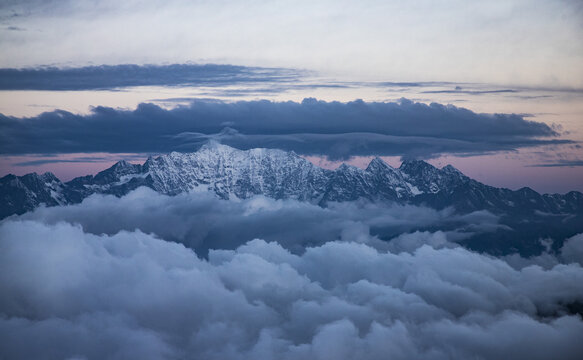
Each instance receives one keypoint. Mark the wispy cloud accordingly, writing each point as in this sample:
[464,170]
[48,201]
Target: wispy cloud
[15,28]
[57,161]
[561,163]
[470,92]
[119,76]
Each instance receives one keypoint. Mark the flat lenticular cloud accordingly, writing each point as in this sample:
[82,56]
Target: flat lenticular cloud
[561,163]
[58,161]
[129,75]
[334,129]
[132,295]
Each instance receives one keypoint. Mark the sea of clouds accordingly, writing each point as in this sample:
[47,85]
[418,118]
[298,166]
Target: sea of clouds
[201,221]
[149,276]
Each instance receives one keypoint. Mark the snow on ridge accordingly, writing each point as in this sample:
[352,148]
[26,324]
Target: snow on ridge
[231,173]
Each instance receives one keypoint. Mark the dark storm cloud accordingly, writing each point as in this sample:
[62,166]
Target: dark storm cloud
[69,293]
[119,76]
[337,130]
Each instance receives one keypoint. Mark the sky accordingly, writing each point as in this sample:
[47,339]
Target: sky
[494,88]
[88,63]
[511,42]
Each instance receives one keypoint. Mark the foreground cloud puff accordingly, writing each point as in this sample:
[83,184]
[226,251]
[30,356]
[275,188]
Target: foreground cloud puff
[65,293]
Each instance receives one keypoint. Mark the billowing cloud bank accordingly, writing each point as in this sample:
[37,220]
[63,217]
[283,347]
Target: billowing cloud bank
[201,221]
[336,130]
[106,289]
[65,293]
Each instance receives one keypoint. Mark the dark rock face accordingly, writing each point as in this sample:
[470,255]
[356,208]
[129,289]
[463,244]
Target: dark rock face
[20,194]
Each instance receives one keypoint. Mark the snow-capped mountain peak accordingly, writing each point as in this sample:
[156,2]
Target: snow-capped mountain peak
[236,174]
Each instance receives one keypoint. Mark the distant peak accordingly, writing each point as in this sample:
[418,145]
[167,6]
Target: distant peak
[377,160]
[377,163]
[214,145]
[452,170]
[122,164]
[347,167]
[45,176]
[48,176]
[415,164]
[527,190]
[149,160]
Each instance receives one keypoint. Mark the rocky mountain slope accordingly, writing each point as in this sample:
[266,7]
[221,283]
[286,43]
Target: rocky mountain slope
[232,174]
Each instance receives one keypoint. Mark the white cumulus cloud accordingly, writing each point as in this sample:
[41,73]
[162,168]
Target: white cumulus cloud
[68,293]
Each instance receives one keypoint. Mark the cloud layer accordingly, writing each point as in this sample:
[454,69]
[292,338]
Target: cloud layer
[158,277]
[131,295]
[119,76]
[334,129]
[201,221]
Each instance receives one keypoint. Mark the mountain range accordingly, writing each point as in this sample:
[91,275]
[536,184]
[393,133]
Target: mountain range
[239,174]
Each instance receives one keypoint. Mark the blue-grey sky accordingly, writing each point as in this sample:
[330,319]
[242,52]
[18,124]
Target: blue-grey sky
[526,42]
